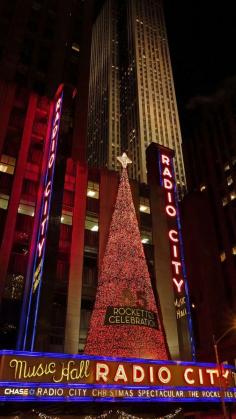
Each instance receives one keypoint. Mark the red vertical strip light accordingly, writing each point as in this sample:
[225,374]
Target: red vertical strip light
[167,180]
[35,269]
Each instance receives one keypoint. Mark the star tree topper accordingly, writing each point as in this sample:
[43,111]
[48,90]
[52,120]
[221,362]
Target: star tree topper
[124,160]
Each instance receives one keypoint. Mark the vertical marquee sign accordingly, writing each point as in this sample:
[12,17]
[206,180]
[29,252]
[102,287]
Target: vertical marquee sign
[180,286]
[34,274]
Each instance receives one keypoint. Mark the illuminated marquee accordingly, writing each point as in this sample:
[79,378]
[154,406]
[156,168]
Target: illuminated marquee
[58,377]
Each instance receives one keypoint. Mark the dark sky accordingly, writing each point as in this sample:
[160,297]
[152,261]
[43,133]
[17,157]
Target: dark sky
[202,41]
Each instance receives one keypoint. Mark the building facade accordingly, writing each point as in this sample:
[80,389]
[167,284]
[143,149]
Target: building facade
[55,218]
[211,168]
[131,96]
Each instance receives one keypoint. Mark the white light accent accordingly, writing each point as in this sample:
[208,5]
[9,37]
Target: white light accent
[62,218]
[222,256]
[94,228]
[3,168]
[143,208]
[229,180]
[202,188]
[91,193]
[225,201]
[75,47]
[233,195]
[145,240]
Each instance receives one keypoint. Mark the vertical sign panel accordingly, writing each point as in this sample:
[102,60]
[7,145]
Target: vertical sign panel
[180,286]
[34,274]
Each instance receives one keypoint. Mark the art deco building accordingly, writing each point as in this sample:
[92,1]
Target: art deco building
[52,240]
[132,96]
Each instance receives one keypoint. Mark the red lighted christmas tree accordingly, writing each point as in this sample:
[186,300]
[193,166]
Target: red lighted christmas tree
[125,321]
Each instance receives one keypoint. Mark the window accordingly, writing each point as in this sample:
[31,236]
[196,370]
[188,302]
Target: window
[144,205]
[66,217]
[7,164]
[222,256]
[233,195]
[26,208]
[91,223]
[93,190]
[146,237]
[4,201]
[225,201]
[229,180]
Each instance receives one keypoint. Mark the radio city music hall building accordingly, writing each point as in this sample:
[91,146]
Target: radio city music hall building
[41,190]
[55,221]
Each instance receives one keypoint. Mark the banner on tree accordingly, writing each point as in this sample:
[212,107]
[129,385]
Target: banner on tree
[132,316]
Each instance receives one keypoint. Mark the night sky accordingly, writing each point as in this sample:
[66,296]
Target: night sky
[202,42]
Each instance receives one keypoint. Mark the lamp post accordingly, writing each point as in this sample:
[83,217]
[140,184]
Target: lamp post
[215,344]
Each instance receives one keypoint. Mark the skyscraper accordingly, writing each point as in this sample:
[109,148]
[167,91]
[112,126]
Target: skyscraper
[132,97]
[211,158]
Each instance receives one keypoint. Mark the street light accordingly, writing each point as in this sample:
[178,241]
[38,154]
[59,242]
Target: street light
[215,343]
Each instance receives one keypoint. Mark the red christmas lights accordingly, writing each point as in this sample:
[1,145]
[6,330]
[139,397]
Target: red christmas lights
[124,287]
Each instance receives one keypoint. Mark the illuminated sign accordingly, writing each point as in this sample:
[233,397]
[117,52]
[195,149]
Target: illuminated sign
[132,316]
[30,376]
[171,211]
[47,194]
[36,261]
[182,305]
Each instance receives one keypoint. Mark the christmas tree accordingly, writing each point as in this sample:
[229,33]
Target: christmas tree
[125,319]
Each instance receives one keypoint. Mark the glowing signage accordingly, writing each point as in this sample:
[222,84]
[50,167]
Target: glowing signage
[35,267]
[47,195]
[178,277]
[35,376]
[168,183]
[132,316]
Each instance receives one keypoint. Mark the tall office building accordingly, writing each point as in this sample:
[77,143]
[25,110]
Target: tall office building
[211,240]
[132,97]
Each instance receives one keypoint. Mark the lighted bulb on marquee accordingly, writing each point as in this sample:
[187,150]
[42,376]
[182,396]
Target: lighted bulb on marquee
[34,376]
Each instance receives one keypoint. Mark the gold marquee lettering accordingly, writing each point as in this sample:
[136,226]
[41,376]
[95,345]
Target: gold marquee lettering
[23,370]
[67,371]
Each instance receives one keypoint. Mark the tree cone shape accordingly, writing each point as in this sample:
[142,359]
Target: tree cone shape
[125,321]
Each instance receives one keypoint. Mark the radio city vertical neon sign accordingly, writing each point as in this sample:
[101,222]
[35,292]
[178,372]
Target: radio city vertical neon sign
[171,211]
[167,179]
[47,195]
[31,303]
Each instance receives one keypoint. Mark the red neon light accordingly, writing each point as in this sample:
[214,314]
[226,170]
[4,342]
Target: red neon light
[47,191]
[168,183]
